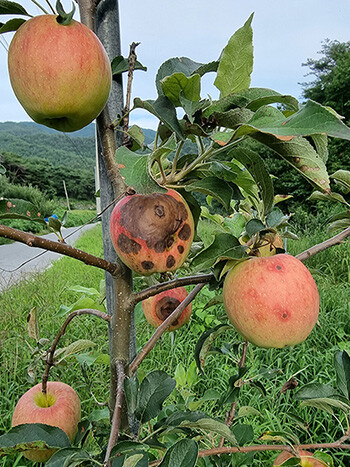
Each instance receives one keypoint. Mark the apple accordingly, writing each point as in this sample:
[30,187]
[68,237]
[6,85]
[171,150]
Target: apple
[60,407]
[159,307]
[60,74]
[152,233]
[272,301]
[306,459]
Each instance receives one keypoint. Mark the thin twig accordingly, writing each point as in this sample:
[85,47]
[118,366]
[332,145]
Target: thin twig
[116,419]
[261,448]
[58,247]
[336,240]
[162,328]
[50,356]
[173,284]
[132,63]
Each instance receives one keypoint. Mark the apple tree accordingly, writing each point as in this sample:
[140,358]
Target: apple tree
[195,208]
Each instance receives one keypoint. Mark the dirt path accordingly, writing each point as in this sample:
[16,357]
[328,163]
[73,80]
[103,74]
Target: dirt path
[15,254]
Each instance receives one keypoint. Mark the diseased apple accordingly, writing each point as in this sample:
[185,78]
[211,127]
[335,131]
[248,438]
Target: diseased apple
[306,459]
[159,307]
[152,233]
[60,407]
[60,74]
[273,301]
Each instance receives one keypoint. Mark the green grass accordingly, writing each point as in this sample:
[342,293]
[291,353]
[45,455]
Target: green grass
[313,359]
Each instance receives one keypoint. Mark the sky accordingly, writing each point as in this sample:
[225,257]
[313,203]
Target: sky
[285,34]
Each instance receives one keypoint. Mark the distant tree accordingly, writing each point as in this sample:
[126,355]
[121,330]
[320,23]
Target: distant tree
[331,85]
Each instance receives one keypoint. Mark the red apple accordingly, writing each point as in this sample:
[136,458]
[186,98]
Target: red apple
[60,74]
[273,301]
[306,459]
[159,307]
[152,233]
[59,407]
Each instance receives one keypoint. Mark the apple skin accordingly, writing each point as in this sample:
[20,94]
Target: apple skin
[152,233]
[307,459]
[159,307]
[63,411]
[273,301]
[61,75]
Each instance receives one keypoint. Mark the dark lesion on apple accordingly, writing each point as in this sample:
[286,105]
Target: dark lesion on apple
[165,307]
[128,245]
[155,219]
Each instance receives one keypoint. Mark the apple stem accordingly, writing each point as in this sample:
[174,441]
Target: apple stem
[162,328]
[50,356]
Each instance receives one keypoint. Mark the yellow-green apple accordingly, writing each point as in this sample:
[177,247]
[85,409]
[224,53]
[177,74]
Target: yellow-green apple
[60,74]
[159,307]
[306,459]
[152,233]
[59,407]
[272,301]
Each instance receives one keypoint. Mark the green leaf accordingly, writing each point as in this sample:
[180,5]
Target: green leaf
[225,246]
[120,65]
[333,197]
[135,170]
[235,224]
[321,146]
[244,434]
[254,226]
[12,8]
[32,436]
[209,424]
[177,83]
[314,391]
[232,118]
[19,209]
[180,375]
[131,388]
[184,453]
[252,99]
[312,118]
[136,134]
[256,167]
[211,395]
[55,224]
[275,217]
[164,150]
[76,347]
[236,63]
[11,25]
[128,446]
[181,65]
[68,457]
[327,404]
[342,369]
[215,187]
[217,300]
[93,358]
[343,178]
[233,389]
[164,110]
[2,170]
[205,342]
[90,291]
[324,457]
[301,155]
[154,389]
[247,411]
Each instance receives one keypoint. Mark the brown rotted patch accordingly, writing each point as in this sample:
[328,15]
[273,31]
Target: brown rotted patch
[147,265]
[128,245]
[165,307]
[170,261]
[185,232]
[154,219]
[180,249]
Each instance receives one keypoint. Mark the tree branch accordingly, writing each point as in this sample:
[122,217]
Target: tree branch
[162,328]
[336,240]
[173,284]
[51,352]
[117,413]
[126,111]
[58,247]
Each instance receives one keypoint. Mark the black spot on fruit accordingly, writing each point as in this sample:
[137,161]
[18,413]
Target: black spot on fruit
[185,232]
[278,267]
[147,265]
[128,245]
[170,261]
[159,247]
[180,249]
[165,307]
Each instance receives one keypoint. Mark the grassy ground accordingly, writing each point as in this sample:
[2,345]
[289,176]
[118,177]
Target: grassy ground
[312,360]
